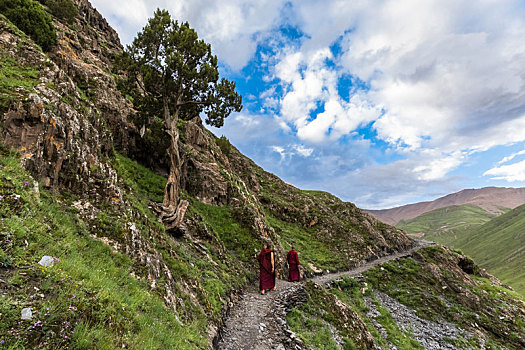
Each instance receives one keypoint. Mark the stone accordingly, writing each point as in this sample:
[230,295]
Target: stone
[27,313]
[47,261]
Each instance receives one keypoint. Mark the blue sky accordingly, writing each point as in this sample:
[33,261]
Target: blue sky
[381,103]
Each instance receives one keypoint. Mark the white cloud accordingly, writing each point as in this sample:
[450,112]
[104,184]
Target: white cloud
[443,79]
[303,151]
[438,72]
[446,76]
[437,166]
[511,173]
[511,157]
[292,150]
[233,27]
[279,150]
[310,84]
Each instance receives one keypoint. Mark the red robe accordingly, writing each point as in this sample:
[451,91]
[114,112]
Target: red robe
[293,266]
[266,276]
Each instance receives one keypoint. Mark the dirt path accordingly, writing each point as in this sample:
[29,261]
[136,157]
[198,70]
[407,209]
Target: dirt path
[258,322]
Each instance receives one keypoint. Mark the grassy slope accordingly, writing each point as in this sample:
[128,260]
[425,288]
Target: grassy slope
[427,283]
[16,80]
[499,246]
[91,299]
[446,224]
[316,320]
[495,243]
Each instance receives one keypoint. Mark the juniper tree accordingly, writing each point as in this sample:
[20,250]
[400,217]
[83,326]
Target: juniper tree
[173,74]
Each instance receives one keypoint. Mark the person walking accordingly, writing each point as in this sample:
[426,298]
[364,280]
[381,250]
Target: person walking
[293,266]
[266,269]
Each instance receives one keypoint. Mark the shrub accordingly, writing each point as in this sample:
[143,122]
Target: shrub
[29,16]
[224,144]
[63,9]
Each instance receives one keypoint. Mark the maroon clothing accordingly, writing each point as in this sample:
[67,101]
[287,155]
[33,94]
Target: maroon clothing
[293,266]
[266,275]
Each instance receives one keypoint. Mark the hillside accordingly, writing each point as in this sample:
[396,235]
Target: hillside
[81,178]
[491,199]
[445,224]
[492,240]
[498,246]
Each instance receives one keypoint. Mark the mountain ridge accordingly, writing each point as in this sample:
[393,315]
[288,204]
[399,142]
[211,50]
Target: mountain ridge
[487,198]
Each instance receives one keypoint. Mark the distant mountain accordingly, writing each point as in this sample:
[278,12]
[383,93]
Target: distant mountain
[445,224]
[490,199]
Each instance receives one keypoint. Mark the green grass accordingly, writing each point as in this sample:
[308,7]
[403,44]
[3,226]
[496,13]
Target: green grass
[498,246]
[92,290]
[492,243]
[327,232]
[229,228]
[147,183]
[89,296]
[316,321]
[314,331]
[16,80]
[312,250]
[446,224]
[214,272]
[350,291]
[402,340]
[429,285]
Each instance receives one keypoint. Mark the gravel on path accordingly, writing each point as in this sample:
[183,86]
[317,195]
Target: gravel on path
[258,322]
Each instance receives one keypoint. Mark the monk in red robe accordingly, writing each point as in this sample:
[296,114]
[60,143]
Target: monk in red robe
[266,269]
[293,266]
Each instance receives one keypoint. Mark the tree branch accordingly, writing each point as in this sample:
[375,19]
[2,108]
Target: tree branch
[193,102]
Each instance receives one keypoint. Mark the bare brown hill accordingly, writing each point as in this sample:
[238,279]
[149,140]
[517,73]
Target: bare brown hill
[490,199]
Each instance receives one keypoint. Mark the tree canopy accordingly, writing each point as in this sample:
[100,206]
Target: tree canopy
[169,65]
[172,74]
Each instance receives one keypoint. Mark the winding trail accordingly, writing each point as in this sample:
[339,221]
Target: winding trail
[258,322]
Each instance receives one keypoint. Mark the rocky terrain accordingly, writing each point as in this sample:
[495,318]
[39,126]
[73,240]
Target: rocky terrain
[81,176]
[491,199]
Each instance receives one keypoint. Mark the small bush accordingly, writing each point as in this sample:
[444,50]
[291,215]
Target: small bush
[63,9]
[224,145]
[29,16]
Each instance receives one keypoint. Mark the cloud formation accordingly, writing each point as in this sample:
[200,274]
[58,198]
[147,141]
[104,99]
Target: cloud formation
[389,96]
[508,172]
[233,27]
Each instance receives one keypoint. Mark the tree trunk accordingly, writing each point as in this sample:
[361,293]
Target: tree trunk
[171,192]
[173,209]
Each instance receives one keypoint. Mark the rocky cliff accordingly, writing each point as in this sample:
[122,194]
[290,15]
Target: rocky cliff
[71,188]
